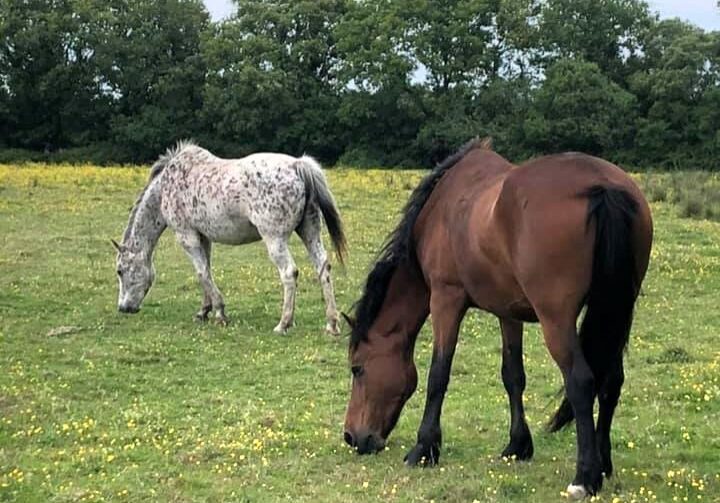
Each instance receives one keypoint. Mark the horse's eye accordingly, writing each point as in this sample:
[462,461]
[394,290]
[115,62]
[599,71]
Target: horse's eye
[356,370]
[119,272]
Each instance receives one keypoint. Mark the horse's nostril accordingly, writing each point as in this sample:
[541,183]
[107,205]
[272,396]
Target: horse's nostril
[349,439]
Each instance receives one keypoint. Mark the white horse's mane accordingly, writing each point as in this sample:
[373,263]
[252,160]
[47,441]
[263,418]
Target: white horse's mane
[171,152]
[157,168]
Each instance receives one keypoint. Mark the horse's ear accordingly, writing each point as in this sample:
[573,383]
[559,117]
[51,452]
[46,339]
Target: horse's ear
[116,245]
[349,320]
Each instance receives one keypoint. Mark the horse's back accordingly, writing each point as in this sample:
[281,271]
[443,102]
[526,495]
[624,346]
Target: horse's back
[566,175]
[267,160]
[519,235]
[233,201]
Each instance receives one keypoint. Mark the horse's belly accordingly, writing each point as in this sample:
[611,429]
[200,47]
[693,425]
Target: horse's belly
[232,231]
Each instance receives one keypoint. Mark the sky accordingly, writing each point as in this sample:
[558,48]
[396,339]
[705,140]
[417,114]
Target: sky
[704,13]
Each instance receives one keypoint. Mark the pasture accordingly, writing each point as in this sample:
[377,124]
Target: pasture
[97,406]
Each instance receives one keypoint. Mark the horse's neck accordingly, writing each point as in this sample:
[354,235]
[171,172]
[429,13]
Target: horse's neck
[405,308]
[147,223]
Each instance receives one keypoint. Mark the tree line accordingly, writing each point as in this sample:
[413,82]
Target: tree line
[360,82]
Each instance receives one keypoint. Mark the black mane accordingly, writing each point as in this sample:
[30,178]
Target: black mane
[399,247]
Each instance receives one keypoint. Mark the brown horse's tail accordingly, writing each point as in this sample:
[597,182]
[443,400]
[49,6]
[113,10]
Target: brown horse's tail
[316,188]
[614,286]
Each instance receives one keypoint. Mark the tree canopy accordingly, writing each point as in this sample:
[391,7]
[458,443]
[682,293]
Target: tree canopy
[362,82]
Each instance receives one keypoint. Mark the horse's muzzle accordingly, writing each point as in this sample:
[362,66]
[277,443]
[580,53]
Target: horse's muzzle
[365,443]
[128,309]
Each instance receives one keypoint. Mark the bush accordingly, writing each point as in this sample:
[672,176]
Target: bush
[696,194]
[19,155]
[100,154]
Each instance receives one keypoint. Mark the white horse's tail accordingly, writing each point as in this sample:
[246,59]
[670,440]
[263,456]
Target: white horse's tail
[316,188]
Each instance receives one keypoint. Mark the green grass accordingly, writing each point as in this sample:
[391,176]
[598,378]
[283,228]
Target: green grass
[153,407]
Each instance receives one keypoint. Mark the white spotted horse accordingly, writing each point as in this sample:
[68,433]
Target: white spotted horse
[206,199]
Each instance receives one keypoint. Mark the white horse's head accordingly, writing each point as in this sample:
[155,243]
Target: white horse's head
[135,273]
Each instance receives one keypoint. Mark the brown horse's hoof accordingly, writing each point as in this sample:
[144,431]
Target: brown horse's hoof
[521,451]
[422,455]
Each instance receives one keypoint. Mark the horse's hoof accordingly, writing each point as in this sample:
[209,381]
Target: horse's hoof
[223,321]
[576,492]
[201,317]
[520,451]
[332,329]
[280,329]
[422,455]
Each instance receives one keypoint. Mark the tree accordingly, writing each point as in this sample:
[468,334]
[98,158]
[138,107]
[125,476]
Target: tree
[272,80]
[605,32]
[450,39]
[48,65]
[515,48]
[579,108]
[152,68]
[678,95]
[381,110]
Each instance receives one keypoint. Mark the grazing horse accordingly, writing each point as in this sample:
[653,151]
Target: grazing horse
[531,243]
[205,199]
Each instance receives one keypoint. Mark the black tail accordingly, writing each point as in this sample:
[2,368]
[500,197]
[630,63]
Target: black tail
[316,187]
[614,286]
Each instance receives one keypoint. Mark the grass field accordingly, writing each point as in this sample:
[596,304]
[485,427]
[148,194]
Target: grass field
[96,406]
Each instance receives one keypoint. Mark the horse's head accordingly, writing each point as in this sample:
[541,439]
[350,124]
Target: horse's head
[383,379]
[135,276]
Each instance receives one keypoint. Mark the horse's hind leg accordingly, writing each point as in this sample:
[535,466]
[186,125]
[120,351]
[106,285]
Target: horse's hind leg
[608,396]
[513,376]
[279,252]
[198,249]
[207,304]
[309,232]
[564,345]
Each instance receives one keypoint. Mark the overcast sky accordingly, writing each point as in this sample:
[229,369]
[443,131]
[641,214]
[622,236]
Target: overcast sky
[703,13]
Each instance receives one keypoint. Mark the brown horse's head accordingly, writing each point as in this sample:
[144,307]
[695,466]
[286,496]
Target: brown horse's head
[392,309]
[383,378]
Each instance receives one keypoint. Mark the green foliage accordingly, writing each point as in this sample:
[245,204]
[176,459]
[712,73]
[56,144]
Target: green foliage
[370,82]
[678,93]
[433,30]
[48,64]
[273,77]
[605,32]
[154,72]
[579,108]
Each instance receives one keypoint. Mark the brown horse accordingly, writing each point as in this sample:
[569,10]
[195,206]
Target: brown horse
[531,243]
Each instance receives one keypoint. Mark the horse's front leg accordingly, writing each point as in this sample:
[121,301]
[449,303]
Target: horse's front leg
[513,376]
[279,252]
[447,306]
[199,248]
